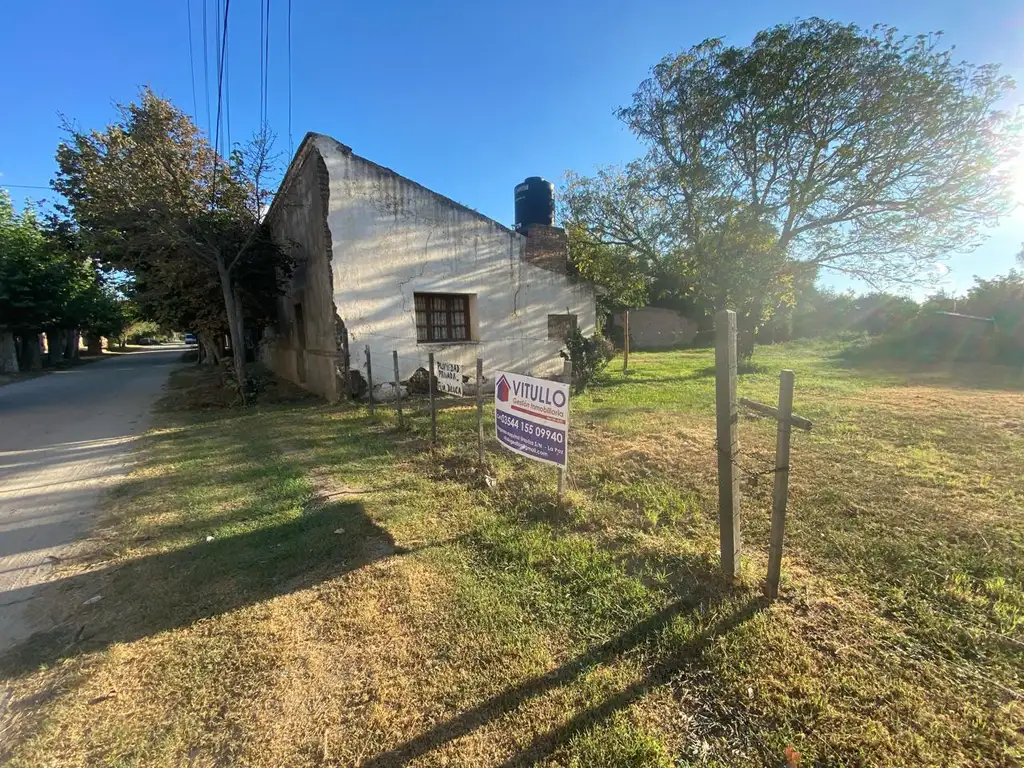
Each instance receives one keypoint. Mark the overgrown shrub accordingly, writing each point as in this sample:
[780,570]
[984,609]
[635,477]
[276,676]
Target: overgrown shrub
[588,355]
[986,325]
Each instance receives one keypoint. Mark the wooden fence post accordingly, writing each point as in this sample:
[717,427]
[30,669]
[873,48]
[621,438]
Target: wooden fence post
[480,410]
[369,377]
[727,417]
[780,489]
[433,404]
[398,390]
[625,341]
[567,373]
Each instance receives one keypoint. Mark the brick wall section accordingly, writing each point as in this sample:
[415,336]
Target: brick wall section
[547,247]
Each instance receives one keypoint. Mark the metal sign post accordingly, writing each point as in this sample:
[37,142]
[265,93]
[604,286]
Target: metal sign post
[479,409]
[433,403]
[369,378]
[398,392]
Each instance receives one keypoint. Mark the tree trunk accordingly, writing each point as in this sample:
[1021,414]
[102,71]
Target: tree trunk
[234,312]
[746,336]
[94,344]
[71,350]
[56,343]
[209,349]
[31,352]
[8,353]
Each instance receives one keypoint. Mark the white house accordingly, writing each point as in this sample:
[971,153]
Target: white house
[384,263]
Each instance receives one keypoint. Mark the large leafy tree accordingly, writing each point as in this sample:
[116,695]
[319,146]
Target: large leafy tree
[826,145]
[26,279]
[47,284]
[151,195]
[617,270]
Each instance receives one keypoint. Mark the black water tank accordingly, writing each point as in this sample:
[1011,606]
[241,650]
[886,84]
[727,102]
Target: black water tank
[535,203]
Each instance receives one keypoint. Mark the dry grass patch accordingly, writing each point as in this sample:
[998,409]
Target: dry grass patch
[302,585]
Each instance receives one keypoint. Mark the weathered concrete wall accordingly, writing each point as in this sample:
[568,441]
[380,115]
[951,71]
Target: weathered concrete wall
[299,223]
[657,328]
[393,238]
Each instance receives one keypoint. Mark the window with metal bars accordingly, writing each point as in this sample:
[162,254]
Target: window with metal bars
[442,317]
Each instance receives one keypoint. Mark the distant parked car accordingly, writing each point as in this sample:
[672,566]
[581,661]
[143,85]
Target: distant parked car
[190,338]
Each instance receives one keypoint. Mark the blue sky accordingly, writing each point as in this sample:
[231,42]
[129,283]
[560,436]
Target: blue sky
[467,98]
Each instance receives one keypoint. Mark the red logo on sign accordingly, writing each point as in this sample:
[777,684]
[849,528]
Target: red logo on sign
[502,388]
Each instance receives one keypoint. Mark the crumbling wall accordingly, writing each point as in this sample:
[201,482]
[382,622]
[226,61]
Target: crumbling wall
[299,223]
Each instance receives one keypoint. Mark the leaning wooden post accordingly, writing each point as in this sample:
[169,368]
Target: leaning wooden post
[433,404]
[480,411]
[398,391]
[780,490]
[369,377]
[625,341]
[562,470]
[727,417]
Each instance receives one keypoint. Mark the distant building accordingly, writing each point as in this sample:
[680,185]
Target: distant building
[657,328]
[386,263]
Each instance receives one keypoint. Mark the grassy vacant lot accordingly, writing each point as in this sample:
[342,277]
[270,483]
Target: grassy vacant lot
[304,585]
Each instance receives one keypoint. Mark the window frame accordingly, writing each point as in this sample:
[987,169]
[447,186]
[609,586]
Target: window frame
[451,308]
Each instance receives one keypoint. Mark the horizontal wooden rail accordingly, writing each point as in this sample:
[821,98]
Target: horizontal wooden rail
[797,421]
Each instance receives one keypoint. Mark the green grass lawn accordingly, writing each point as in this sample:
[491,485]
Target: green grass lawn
[303,585]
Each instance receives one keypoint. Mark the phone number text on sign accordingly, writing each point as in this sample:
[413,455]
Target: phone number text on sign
[532,417]
[529,428]
[531,439]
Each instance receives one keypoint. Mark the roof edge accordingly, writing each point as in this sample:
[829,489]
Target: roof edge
[307,144]
[310,140]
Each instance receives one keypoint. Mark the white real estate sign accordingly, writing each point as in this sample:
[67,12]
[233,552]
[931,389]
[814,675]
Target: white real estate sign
[449,378]
[531,417]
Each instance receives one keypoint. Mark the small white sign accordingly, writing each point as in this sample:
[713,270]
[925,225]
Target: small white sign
[532,417]
[449,378]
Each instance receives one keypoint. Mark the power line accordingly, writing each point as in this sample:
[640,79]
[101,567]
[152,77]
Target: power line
[220,82]
[206,70]
[23,186]
[266,69]
[192,63]
[216,64]
[290,149]
[227,89]
[262,36]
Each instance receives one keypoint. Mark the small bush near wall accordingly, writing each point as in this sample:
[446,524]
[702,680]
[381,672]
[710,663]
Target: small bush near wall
[588,355]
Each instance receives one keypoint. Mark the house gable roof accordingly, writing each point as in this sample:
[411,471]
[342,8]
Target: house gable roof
[319,141]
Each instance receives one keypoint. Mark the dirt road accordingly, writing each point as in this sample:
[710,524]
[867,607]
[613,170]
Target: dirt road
[64,438]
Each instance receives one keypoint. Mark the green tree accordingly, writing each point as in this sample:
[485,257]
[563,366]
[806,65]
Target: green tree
[48,284]
[24,279]
[880,312]
[1002,299]
[616,270]
[860,151]
[156,200]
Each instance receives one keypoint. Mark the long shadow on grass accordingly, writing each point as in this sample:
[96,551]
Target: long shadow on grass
[646,633]
[152,594]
